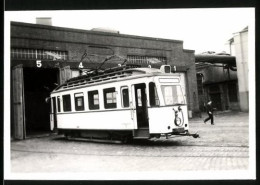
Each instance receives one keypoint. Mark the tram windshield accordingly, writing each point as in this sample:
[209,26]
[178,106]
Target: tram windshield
[172,94]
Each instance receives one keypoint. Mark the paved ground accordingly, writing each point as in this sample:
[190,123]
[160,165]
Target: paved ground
[223,146]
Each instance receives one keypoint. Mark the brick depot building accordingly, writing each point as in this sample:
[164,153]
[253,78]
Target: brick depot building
[44,56]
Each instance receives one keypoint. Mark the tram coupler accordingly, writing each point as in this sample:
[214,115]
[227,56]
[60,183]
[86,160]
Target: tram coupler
[196,135]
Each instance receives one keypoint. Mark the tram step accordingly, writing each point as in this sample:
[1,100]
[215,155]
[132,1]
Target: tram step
[93,140]
[142,133]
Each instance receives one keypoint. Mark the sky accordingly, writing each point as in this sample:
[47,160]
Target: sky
[199,29]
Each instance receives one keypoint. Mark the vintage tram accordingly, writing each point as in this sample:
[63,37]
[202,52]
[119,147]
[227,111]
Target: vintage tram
[121,103]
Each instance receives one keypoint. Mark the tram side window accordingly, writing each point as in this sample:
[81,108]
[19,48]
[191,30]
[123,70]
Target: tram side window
[154,99]
[125,97]
[58,102]
[93,100]
[66,103]
[79,101]
[109,98]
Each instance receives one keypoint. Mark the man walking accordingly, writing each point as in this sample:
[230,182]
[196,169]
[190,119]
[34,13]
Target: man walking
[210,113]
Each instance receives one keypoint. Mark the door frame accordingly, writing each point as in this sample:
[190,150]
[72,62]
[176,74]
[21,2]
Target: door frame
[143,108]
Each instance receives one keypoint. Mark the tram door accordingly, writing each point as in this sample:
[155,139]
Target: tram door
[141,105]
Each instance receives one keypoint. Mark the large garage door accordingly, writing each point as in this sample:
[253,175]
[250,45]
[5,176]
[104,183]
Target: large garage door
[65,74]
[17,116]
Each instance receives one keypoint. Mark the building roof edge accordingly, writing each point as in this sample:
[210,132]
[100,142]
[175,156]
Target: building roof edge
[92,32]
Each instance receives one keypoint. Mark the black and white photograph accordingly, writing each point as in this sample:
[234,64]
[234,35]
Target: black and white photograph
[130,94]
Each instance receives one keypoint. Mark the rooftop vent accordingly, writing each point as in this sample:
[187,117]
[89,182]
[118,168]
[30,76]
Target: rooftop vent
[44,21]
[165,69]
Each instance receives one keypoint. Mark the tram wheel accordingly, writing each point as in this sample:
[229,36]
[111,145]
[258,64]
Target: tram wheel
[127,139]
[67,136]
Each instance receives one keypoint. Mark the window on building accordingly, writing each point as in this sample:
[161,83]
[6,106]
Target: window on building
[79,101]
[154,99]
[135,59]
[58,102]
[40,54]
[66,103]
[93,100]
[125,96]
[74,73]
[109,98]
[232,92]
[214,89]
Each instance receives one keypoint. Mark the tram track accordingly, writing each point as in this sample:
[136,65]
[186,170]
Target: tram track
[133,152]
[206,144]
[120,155]
[156,144]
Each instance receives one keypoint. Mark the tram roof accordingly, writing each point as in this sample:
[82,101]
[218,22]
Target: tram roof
[125,74]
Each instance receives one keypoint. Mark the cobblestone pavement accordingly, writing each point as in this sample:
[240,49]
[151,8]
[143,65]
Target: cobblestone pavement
[223,146]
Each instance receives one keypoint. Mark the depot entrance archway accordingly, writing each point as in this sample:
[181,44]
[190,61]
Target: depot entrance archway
[30,110]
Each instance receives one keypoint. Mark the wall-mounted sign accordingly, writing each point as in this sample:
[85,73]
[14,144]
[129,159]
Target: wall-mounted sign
[81,65]
[38,63]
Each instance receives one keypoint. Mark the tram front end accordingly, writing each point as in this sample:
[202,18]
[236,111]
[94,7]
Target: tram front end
[170,117]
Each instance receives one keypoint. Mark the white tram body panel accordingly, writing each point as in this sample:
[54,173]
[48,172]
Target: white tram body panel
[101,120]
[151,104]
[161,120]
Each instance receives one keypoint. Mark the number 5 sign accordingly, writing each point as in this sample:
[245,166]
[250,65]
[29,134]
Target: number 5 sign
[38,63]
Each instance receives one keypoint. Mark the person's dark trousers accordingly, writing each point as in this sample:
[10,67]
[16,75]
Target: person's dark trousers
[210,118]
